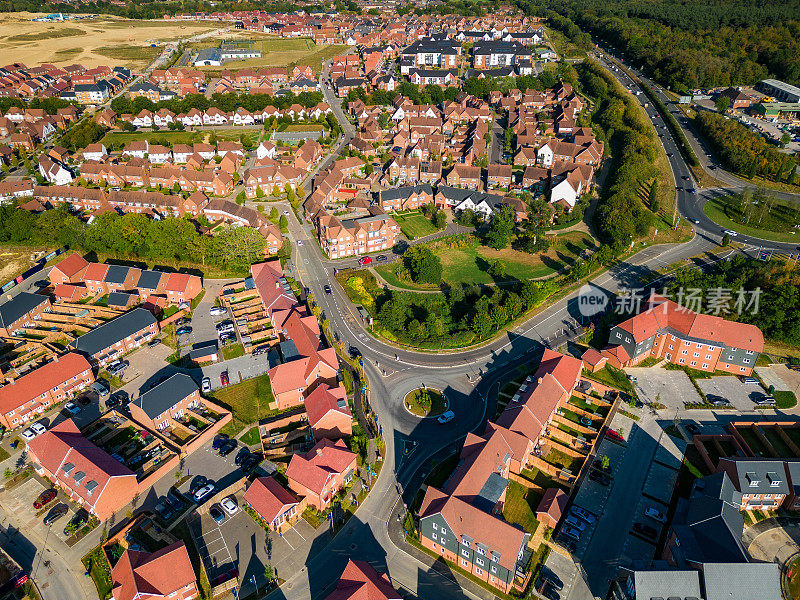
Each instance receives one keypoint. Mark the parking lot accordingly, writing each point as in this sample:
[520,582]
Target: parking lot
[19,500]
[739,394]
[240,541]
[674,389]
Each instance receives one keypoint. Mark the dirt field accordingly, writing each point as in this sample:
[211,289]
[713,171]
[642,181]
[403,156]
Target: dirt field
[14,260]
[281,52]
[91,42]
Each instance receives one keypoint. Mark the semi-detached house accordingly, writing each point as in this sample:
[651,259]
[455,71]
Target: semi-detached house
[117,337]
[319,474]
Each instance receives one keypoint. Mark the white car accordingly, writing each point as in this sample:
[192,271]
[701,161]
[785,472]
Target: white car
[28,435]
[72,408]
[655,514]
[229,505]
[203,492]
[730,232]
[446,417]
[205,385]
[216,311]
[38,428]
[299,242]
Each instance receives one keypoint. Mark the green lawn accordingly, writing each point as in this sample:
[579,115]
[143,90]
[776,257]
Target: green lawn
[285,52]
[794,578]
[520,506]
[785,399]
[471,265]
[612,377]
[776,225]
[251,438]
[248,401]
[99,570]
[232,351]
[414,224]
[128,53]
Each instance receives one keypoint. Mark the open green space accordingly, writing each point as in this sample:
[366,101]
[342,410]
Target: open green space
[180,137]
[251,437]
[128,53]
[520,506]
[471,265]
[96,564]
[425,402]
[249,401]
[414,224]
[232,351]
[285,52]
[785,399]
[767,218]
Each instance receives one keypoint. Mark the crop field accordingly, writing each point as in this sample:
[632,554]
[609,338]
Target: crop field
[283,52]
[90,42]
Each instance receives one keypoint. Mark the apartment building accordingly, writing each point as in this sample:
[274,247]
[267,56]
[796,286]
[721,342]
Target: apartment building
[406,198]
[170,400]
[28,396]
[356,236]
[113,339]
[683,337]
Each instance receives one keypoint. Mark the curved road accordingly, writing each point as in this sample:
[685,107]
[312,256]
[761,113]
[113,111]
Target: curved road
[466,376]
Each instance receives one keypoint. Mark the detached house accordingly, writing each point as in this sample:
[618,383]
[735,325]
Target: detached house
[319,474]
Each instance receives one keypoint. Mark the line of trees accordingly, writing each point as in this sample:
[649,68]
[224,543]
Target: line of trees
[686,45]
[225,102]
[743,151]
[134,236]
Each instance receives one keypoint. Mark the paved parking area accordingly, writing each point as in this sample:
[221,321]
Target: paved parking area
[203,324]
[239,369]
[206,461]
[19,500]
[783,378]
[674,389]
[740,395]
[239,541]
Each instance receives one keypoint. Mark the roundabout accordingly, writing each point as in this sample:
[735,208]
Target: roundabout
[425,402]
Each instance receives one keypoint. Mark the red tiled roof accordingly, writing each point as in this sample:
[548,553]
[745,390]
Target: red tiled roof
[360,581]
[324,460]
[268,498]
[37,382]
[553,502]
[325,399]
[68,291]
[72,264]
[592,357]
[95,272]
[177,282]
[63,444]
[152,575]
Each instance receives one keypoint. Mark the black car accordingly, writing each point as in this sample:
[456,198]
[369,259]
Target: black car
[197,483]
[250,463]
[355,352]
[58,511]
[79,520]
[380,258]
[327,288]
[645,530]
[241,457]
[227,447]
[600,478]
[693,429]
[219,439]
[84,400]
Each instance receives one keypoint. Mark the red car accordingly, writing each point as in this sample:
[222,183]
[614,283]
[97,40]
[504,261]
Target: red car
[614,435]
[226,576]
[224,378]
[44,498]
[365,260]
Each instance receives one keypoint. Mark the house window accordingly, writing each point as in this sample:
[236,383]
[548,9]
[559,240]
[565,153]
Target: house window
[670,347]
[433,535]
[619,335]
[434,545]
[693,363]
[465,553]
[478,571]
[682,361]
[479,561]
[705,365]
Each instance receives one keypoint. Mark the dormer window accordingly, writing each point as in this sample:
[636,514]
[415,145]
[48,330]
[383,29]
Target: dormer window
[79,476]
[752,479]
[774,479]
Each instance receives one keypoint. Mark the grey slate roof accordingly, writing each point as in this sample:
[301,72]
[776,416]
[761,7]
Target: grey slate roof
[113,331]
[19,305]
[166,395]
[405,191]
[149,280]
[742,582]
[116,274]
[759,476]
[119,298]
[666,584]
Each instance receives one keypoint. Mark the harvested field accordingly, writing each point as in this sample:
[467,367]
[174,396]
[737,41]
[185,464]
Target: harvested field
[67,42]
[282,52]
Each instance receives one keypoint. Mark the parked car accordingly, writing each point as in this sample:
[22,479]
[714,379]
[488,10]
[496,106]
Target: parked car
[101,388]
[205,385]
[364,260]
[219,439]
[217,311]
[571,532]
[58,511]
[199,481]
[38,428]
[44,498]
[217,514]
[645,530]
[446,417]
[717,400]
[749,380]
[614,435]
[655,514]
[228,447]
[164,509]
[84,400]
[153,343]
[228,503]
[575,522]
[583,514]
[226,576]
[224,378]
[28,435]
[241,456]
[693,429]
[183,330]
[72,408]
[380,258]
[203,492]
[765,400]
[79,520]
[600,478]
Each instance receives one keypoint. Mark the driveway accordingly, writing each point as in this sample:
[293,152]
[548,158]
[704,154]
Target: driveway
[740,395]
[777,543]
[674,389]
[203,324]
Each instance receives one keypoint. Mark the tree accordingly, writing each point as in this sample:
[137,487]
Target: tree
[723,103]
[440,219]
[283,224]
[423,265]
[726,239]
[501,227]
[497,269]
